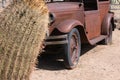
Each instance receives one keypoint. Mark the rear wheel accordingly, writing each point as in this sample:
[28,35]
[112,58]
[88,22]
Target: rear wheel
[108,40]
[72,50]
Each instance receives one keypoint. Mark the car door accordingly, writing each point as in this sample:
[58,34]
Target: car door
[92,18]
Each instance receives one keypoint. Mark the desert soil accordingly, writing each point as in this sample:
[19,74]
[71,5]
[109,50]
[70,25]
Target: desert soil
[99,62]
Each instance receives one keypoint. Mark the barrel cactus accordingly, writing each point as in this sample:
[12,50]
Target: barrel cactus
[23,26]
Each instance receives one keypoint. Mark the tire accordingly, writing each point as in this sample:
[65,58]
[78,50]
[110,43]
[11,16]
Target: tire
[108,39]
[72,50]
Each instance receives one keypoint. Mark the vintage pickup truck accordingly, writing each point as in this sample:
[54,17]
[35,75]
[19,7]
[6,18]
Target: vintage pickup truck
[76,22]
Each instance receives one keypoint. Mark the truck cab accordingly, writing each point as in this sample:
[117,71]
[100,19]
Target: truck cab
[77,22]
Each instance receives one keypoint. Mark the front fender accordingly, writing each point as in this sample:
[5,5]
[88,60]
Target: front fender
[67,25]
[106,23]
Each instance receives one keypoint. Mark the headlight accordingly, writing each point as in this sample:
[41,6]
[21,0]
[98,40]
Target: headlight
[51,18]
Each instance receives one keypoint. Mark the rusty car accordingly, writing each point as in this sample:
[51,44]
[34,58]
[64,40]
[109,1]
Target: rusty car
[77,22]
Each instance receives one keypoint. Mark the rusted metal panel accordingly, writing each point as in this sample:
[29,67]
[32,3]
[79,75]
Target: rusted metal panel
[67,25]
[93,26]
[71,14]
[103,8]
[64,12]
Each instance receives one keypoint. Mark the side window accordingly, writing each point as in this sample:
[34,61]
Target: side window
[90,5]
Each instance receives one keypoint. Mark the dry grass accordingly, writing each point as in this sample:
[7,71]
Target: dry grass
[22,30]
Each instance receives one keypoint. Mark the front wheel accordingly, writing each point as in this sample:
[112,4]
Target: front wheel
[72,50]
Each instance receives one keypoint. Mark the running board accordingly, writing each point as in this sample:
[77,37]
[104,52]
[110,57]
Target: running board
[97,39]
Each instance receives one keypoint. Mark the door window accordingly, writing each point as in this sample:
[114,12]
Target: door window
[90,5]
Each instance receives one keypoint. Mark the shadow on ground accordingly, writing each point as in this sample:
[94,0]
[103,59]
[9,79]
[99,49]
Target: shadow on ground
[52,61]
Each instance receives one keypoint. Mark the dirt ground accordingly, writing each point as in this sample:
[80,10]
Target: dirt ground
[99,62]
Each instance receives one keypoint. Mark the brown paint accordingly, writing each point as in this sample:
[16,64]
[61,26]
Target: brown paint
[68,15]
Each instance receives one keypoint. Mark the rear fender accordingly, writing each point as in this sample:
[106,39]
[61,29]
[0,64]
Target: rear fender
[106,23]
